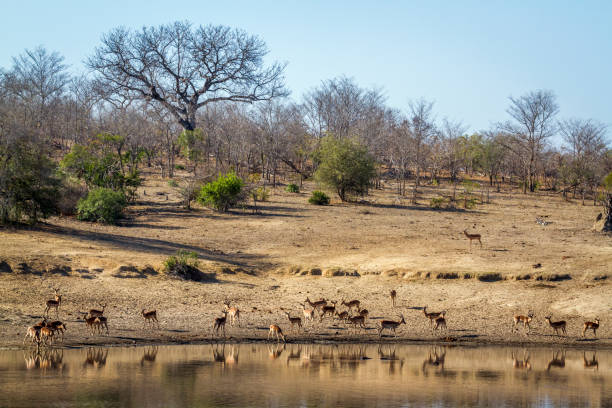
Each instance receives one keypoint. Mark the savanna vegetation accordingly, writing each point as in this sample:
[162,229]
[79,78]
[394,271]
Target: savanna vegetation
[201,98]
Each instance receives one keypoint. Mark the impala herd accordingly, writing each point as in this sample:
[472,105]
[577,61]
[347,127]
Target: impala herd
[45,331]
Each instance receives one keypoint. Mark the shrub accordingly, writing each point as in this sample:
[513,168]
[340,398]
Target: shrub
[190,191]
[260,194]
[319,198]
[345,166]
[436,202]
[99,165]
[292,188]
[183,265]
[28,182]
[102,205]
[172,183]
[69,195]
[179,167]
[223,193]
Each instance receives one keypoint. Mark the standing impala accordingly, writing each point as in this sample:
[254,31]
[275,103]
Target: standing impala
[390,325]
[393,295]
[308,313]
[524,319]
[432,316]
[352,304]
[560,325]
[54,303]
[275,329]
[233,312]
[472,237]
[591,326]
[316,305]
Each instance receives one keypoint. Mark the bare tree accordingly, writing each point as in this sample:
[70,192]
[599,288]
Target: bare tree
[423,129]
[534,122]
[586,144]
[185,68]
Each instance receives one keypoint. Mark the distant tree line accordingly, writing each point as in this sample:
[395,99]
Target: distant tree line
[204,94]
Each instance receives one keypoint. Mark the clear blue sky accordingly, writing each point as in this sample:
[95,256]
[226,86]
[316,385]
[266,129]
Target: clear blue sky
[467,56]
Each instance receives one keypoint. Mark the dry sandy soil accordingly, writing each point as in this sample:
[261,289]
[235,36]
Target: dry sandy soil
[289,250]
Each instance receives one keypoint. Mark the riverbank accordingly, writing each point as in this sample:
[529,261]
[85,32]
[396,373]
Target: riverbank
[477,313]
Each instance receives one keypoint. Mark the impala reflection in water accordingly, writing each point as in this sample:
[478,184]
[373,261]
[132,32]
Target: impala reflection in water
[288,375]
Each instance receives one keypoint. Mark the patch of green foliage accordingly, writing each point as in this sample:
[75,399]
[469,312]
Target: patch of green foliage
[102,205]
[173,183]
[344,165]
[29,183]
[318,198]
[292,188]
[223,193]
[437,202]
[99,164]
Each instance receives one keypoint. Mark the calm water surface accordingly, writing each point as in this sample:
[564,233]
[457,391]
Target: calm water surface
[306,376]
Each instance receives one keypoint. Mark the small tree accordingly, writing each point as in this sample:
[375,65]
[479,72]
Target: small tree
[345,166]
[192,146]
[101,205]
[607,203]
[29,183]
[223,193]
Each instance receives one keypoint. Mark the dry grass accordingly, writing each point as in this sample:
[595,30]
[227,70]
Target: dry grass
[353,250]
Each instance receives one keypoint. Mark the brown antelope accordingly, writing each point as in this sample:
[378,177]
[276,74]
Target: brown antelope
[233,312]
[432,316]
[590,363]
[524,319]
[276,330]
[150,317]
[343,315]
[556,361]
[357,321]
[96,312]
[220,323]
[591,326]
[472,237]
[308,314]
[352,304]
[328,310]
[34,333]
[440,322]
[101,321]
[364,313]
[318,304]
[90,322]
[390,325]
[294,321]
[556,325]
[57,326]
[54,303]
[393,296]
[46,333]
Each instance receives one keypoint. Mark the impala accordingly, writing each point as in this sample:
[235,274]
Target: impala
[390,325]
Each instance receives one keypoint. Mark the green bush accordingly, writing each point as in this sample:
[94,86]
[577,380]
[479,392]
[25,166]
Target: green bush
[29,183]
[183,265]
[223,193]
[172,183]
[179,167]
[99,165]
[102,205]
[292,188]
[260,194]
[319,198]
[345,166]
[436,202]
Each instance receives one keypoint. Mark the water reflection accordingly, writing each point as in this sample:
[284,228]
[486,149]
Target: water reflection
[44,359]
[557,360]
[287,375]
[96,357]
[592,363]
